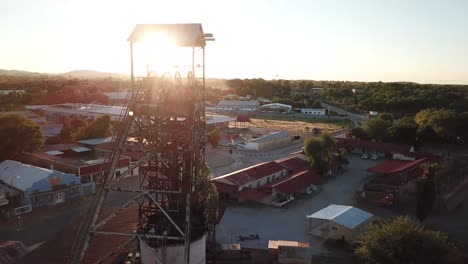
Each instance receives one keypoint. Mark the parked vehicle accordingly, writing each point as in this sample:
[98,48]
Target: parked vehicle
[136,259]
[365,156]
[374,157]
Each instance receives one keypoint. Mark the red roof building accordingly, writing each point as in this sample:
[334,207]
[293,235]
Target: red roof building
[396,166]
[253,174]
[84,161]
[371,146]
[269,182]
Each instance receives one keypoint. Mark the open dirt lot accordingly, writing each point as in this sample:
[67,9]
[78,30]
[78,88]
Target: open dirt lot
[294,125]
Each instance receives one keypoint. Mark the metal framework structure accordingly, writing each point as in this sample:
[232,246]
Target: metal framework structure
[167,116]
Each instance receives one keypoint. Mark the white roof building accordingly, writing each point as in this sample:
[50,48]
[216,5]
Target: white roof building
[277,106]
[216,119]
[341,222]
[31,179]
[118,95]
[92,111]
[313,111]
[238,105]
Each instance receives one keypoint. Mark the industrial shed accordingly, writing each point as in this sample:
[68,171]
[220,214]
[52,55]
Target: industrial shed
[339,222]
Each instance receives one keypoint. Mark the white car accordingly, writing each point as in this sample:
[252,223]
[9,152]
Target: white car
[374,157]
[365,156]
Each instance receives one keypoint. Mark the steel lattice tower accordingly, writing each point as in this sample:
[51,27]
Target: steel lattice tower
[166,114]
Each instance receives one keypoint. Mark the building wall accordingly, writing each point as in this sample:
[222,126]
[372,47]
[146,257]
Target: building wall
[312,111]
[337,232]
[174,253]
[55,197]
[252,145]
[274,142]
[267,200]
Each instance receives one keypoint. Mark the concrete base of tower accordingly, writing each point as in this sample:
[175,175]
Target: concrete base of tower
[174,253]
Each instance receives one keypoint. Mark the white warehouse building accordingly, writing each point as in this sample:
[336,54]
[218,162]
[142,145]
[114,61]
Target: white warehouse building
[238,105]
[278,107]
[313,111]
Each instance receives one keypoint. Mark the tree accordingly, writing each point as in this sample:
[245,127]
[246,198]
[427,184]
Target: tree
[66,134]
[358,132]
[404,131]
[76,123]
[18,134]
[386,116]
[423,117]
[316,104]
[427,191]
[376,128]
[319,151]
[403,241]
[100,128]
[213,137]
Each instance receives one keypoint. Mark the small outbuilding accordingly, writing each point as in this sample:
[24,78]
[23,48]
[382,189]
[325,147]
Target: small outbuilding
[289,252]
[339,222]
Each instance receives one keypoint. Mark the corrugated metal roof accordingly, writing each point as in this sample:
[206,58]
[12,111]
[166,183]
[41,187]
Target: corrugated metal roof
[29,178]
[53,152]
[294,183]
[183,35]
[239,104]
[95,141]
[250,174]
[271,136]
[81,149]
[395,166]
[210,120]
[344,215]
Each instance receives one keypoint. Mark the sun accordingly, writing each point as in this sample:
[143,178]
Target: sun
[160,53]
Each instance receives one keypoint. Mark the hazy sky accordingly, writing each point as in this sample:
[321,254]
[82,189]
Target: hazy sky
[369,40]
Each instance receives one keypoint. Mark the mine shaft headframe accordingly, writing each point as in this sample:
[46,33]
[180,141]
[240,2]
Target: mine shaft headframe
[181,35]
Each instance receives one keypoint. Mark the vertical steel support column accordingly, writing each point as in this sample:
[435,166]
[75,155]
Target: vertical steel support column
[132,74]
[203,63]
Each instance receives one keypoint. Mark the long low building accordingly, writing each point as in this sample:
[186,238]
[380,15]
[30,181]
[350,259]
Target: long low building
[276,107]
[38,187]
[81,159]
[367,146]
[86,111]
[314,111]
[228,105]
[273,183]
[218,121]
[274,139]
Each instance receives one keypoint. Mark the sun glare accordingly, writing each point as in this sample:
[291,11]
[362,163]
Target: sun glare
[160,53]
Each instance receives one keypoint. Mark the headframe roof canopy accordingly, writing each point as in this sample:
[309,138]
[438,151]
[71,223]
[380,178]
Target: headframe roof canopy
[183,35]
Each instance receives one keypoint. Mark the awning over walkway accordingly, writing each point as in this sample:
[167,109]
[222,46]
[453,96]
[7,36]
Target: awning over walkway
[395,166]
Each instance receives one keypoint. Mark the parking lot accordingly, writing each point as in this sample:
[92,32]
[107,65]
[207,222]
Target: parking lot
[290,223]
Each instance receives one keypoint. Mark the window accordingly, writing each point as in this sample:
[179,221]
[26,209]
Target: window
[258,184]
[334,228]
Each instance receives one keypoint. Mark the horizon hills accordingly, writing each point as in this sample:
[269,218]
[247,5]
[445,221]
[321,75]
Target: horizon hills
[86,73]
